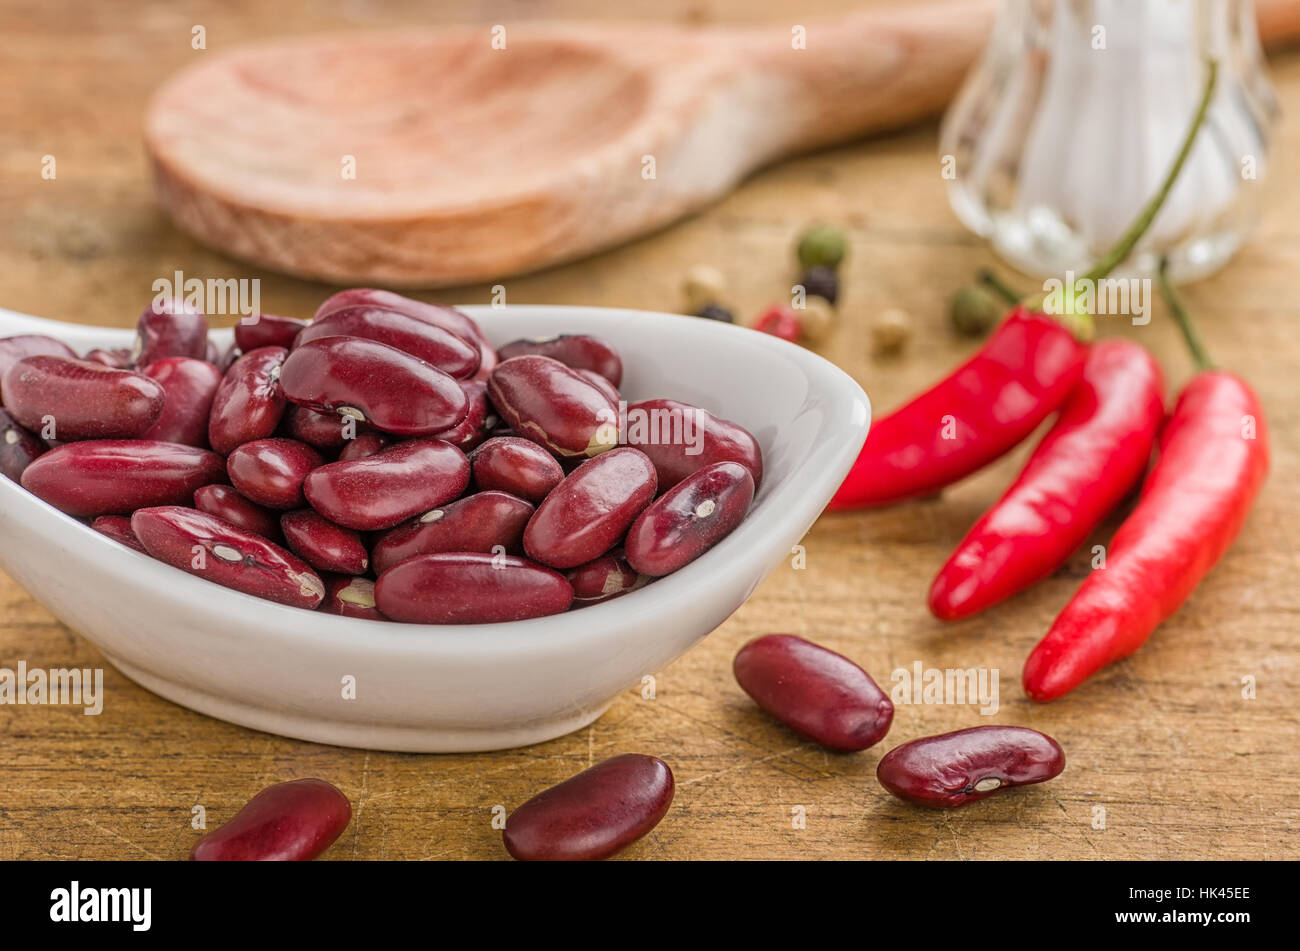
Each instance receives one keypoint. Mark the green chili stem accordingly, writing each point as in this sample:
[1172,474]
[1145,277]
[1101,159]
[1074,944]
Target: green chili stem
[990,280]
[1124,246]
[1200,355]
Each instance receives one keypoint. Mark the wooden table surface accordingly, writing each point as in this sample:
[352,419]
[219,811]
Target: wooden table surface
[1167,759]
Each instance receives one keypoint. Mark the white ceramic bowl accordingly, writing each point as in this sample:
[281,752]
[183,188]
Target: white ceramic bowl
[426,688]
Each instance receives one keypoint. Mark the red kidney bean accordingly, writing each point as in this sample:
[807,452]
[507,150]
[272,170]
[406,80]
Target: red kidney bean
[515,465]
[952,770]
[288,822]
[545,401]
[448,318]
[170,328]
[588,513]
[250,401]
[578,351]
[324,545]
[327,432]
[602,578]
[385,489]
[602,384]
[117,359]
[18,447]
[470,588]
[118,528]
[374,383]
[350,597]
[593,815]
[471,430]
[670,432]
[211,548]
[190,385]
[816,692]
[118,476]
[267,330]
[73,399]
[489,522]
[433,344]
[270,472]
[689,519]
[364,444]
[19,346]
[226,503]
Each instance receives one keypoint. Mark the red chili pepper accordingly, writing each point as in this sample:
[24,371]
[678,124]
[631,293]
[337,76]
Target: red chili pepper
[1213,459]
[1093,455]
[1019,377]
[998,397]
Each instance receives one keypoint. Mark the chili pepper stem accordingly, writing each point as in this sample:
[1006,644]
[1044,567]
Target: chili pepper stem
[994,283]
[1200,355]
[1125,245]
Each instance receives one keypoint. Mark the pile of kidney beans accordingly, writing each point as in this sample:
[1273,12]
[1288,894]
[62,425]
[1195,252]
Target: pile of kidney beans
[381,461]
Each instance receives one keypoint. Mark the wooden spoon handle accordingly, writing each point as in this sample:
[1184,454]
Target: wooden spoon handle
[888,66]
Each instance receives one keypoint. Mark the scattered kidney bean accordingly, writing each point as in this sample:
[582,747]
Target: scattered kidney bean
[952,770]
[225,502]
[267,330]
[588,513]
[190,386]
[681,439]
[324,431]
[433,344]
[515,465]
[385,489]
[270,472]
[250,401]
[20,346]
[364,444]
[229,555]
[689,519]
[118,476]
[374,383]
[350,597]
[579,351]
[118,528]
[169,329]
[593,815]
[324,545]
[470,588]
[602,578]
[816,692]
[545,401]
[18,447]
[73,399]
[489,522]
[471,430]
[288,822]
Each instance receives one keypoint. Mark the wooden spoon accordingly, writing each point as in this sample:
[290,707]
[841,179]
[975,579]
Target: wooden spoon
[433,158]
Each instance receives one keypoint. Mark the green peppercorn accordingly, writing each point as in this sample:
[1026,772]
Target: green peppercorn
[975,310]
[822,246]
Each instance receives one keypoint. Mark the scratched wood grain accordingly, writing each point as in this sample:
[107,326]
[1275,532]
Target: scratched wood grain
[1182,765]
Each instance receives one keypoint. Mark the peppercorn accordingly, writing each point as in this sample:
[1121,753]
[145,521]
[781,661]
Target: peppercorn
[822,246]
[716,312]
[703,285]
[781,321]
[817,320]
[975,310]
[890,332]
[821,282]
